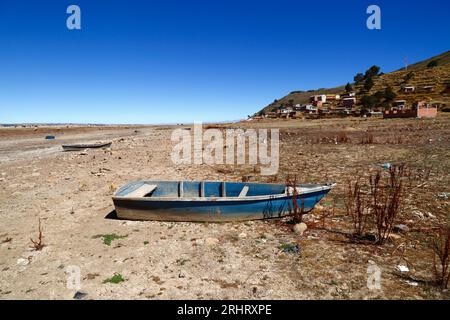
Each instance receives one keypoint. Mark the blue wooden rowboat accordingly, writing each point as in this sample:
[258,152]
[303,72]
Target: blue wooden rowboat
[212,201]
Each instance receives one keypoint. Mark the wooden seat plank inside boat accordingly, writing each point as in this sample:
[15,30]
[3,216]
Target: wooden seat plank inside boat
[142,191]
[243,192]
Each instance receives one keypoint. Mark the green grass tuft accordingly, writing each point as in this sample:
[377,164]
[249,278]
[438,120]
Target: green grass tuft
[108,238]
[116,278]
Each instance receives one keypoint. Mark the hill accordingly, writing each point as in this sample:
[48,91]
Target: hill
[419,75]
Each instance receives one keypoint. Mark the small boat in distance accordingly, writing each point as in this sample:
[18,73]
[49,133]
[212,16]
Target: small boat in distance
[82,146]
[202,201]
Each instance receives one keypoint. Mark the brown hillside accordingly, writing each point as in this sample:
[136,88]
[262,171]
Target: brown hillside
[417,75]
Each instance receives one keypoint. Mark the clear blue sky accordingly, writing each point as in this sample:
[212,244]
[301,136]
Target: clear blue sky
[180,61]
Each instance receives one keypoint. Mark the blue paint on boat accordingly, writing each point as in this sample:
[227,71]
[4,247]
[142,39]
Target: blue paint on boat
[212,201]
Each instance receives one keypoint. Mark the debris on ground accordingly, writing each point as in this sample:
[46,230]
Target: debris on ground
[400,228]
[402,268]
[300,228]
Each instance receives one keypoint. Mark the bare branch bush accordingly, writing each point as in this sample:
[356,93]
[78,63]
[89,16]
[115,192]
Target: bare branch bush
[38,244]
[440,245]
[387,199]
[294,210]
[380,206]
[367,138]
[357,206]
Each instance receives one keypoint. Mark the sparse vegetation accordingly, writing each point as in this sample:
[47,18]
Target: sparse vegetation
[440,245]
[342,138]
[348,87]
[38,244]
[432,64]
[108,238]
[115,279]
[377,203]
[357,205]
[181,261]
[290,248]
[387,196]
[294,210]
[367,138]
[7,239]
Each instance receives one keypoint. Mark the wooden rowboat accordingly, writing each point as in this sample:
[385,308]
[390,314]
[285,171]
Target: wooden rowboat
[82,146]
[212,201]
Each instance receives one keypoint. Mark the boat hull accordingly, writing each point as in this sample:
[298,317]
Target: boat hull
[213,210]
[79,147]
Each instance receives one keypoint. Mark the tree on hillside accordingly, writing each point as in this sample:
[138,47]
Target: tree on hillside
[389,94]
[432,64]
[372,72]
[369,102]
[359,78]
[408,76]
[368,84]
[348,87]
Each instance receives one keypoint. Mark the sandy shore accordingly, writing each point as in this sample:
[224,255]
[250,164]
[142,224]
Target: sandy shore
[71,193]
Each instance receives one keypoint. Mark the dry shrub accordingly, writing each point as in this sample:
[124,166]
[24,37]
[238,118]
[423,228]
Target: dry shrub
[380,206]
[327,213]
[294,210]
[356,206]
[367,138]
[387,199]
[396,139]
[440,245]
[342,138]
[38,244]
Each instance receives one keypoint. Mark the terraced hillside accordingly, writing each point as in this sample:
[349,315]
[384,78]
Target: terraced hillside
[419,75]
[437,77]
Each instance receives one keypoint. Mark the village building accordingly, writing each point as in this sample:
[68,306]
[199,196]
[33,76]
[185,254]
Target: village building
[400,104]
[427,89]
[310,109]
[332,97]
[408,89]
[419,110]
[318,97]
[348,102]
[318,100]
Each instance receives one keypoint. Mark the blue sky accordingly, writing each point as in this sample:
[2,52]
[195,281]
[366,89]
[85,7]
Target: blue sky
[184,61]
